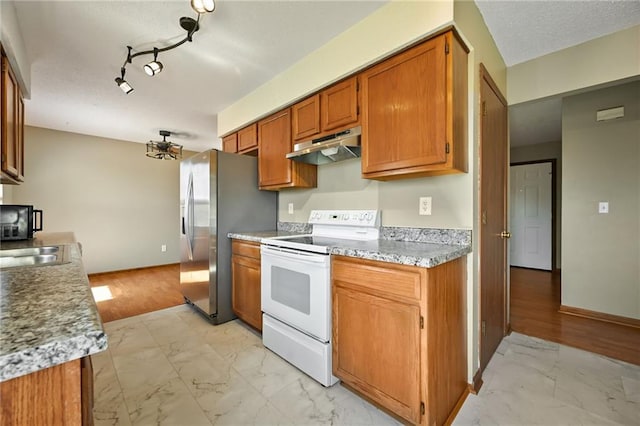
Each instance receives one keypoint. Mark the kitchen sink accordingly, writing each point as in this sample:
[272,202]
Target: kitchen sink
[34,256]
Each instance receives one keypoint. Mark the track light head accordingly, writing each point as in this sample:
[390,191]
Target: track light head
[203,6]
[122,83]
[153,68]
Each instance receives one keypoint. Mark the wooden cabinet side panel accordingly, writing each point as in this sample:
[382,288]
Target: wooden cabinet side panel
[376,349]
[305,117]
[458,98]
[86,375]
[47,397]
[20,138]
[340,104]
[9,120]
[446,350]
[404,110]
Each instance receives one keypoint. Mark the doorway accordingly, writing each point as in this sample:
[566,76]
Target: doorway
[493,211]
[532,221]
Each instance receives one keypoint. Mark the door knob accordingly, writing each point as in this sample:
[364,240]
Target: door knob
[505,234]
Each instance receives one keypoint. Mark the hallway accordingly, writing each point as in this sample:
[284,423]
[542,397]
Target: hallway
[535,299]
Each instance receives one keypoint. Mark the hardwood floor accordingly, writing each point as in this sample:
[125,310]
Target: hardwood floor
[535,299]
[136,291]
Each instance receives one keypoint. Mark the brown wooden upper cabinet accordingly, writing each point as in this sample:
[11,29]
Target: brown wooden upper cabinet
[333,108]
[274,143]
[11,126]
[414,112]
[230,143]
[248,138]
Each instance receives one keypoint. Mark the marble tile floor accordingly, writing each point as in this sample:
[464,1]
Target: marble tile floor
[171,367]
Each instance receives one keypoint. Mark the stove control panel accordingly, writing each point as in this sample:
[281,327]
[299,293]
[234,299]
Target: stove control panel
[365,218]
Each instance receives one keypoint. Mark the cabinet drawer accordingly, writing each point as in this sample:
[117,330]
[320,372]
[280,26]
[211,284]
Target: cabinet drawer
[246,248]
[387,279]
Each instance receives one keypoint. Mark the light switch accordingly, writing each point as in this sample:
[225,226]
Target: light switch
[603,207]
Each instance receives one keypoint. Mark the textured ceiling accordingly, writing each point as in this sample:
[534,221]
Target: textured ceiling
[524,29]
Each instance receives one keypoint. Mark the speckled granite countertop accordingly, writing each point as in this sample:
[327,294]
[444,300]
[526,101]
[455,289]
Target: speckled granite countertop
[444,247]
[47,313]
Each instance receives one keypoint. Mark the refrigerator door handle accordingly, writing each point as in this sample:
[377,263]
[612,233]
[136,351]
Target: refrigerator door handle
[189,216]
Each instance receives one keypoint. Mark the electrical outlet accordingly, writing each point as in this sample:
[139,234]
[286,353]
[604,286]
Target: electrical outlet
[290,208]
[425,206]
[603,207]
[163,248]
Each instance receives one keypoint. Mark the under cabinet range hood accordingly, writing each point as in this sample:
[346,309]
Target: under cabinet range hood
[328,149]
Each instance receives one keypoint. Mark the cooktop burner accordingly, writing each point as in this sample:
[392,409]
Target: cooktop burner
[329,226]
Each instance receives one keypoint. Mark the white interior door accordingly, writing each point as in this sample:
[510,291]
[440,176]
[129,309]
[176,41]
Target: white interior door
[531,209]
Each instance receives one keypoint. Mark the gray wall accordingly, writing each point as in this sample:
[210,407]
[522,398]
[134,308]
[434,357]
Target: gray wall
[121,205]
[601,162]
[546,151]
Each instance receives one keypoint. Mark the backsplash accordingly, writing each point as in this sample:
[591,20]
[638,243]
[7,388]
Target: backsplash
[426,235]
[396,233]
[304,228]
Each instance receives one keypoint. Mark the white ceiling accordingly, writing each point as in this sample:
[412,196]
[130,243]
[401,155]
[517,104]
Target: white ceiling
[76,49]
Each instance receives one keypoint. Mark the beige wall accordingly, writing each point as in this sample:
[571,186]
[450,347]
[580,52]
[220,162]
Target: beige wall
[609,58]
[601,162]
[546,151]
[121,205]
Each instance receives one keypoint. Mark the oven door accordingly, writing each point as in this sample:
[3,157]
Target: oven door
[296,289]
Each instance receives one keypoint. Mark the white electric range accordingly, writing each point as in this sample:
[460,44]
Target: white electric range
[296,288]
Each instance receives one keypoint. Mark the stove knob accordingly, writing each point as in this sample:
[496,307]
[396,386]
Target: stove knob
[362,216]
[346,216]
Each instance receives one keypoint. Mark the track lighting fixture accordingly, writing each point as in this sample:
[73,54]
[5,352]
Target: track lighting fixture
[153,67]
[122,83]
[190,25]
[203,6]
[164,150]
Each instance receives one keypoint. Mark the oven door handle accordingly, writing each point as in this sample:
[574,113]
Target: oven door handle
[299,256]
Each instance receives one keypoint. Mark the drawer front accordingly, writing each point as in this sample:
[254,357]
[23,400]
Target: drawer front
[381,278]
[246,248]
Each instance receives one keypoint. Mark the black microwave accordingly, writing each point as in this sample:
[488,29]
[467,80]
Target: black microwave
[19,222]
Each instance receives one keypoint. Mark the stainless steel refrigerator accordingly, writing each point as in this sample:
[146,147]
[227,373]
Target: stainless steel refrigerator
[218,194]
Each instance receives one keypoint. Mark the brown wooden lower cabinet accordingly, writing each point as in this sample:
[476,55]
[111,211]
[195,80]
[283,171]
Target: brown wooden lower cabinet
[399,335]
[60,395]
[245,273]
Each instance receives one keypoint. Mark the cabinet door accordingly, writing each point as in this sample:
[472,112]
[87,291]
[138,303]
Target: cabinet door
[405,110]
[10,152]
[245,298]
[274,139]
[376,349]
[248,138]
[230,143]
[305,116]
[340,104]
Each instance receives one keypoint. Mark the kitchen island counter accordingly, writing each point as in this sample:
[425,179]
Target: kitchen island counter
[47,313]
[406,246]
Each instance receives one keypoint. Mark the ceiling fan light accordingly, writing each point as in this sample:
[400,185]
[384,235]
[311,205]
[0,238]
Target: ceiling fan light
[203,6]
[153,68]
[124,86]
